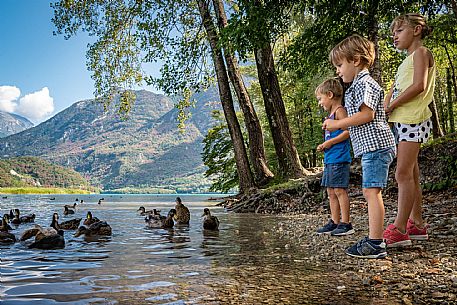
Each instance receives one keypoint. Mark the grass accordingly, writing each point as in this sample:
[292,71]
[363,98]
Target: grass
[41,190]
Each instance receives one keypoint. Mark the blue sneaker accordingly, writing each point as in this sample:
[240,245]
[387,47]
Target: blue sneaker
[343,229]
[365,248]
[328,228]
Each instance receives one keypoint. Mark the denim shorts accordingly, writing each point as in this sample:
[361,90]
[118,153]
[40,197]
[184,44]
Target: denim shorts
[375,167]
[336,175]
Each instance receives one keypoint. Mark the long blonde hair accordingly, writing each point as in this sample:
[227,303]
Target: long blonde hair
[413,20]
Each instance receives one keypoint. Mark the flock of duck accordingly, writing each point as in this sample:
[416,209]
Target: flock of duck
[52,237]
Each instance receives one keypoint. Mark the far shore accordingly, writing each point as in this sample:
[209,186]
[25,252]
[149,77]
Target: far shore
[42,190]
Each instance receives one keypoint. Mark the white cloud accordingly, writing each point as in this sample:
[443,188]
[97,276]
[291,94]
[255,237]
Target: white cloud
[8,95]
[37,105]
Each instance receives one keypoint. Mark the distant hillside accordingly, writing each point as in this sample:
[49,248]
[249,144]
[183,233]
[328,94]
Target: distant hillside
[147,150]
[11,123]
[35,172]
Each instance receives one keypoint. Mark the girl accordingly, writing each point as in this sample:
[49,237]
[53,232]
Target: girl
[407,104]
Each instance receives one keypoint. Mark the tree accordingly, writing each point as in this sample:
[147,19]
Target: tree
[244,172]
[132,32]
[253,29]
[255,134]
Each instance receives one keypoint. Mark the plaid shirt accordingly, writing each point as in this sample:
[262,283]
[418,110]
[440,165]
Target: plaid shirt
[373,135]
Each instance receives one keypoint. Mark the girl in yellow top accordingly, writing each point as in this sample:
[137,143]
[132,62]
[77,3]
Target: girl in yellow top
[407,106]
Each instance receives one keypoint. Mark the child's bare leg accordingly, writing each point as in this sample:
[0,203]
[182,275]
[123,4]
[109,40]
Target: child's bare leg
[375,212]
[334,205]
[416,211]
[407,189]
[343,200]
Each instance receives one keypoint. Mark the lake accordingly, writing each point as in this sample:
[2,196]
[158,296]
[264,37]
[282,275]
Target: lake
[246,262]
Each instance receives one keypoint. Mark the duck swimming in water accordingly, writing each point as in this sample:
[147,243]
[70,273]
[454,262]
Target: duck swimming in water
[182,213]
[45,238]
[71,206]
[101,228]
[90,219]
[67,211]
[144,212]
[22,219]
[210,222]
[5,227]
[71,224]
[5,236]
[158,221]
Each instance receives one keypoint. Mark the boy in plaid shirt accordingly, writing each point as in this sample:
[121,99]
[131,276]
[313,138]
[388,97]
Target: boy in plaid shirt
[370,134]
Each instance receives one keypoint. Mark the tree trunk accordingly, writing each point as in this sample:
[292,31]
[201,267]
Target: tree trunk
[241,158]
[373,36]
[288,160]
[255,134]
[437,131]
[450,100]
[454,7]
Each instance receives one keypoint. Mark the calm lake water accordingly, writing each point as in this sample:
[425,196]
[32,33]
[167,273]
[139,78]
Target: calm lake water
[244,263]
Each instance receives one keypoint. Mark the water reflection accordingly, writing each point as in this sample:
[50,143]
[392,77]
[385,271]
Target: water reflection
[245,262]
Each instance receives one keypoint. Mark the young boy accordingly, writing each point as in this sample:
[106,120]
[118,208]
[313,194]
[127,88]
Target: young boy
[337,158]
[370,135]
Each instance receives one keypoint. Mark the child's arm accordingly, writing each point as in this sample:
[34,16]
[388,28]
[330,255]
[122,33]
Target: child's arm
[365,115]
[329,143]
[422,61]
[389,96]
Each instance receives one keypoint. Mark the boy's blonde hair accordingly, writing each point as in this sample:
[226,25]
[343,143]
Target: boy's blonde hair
[412,20]
[330,85]
[352,48]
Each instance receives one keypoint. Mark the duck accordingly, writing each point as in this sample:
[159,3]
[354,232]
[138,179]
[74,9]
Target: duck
[5,236]
[210,222]
[144,212]
[71,206]
[89,219]
[45,238]
[158,221]
[100,228]
[182,212]
[16,220]
[71,224]
[27,218]
[67,211]
[5,227]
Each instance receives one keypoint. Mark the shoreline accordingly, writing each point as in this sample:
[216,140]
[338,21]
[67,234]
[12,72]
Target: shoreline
[424,273]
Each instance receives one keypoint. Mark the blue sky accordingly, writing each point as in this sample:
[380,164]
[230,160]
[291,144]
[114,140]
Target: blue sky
[40,74]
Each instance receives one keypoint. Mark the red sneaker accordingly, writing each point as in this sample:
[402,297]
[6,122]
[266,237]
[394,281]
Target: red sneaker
[415,232]
[394,238]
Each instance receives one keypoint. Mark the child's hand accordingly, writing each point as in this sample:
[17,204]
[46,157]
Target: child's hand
[324,146]
[330,125]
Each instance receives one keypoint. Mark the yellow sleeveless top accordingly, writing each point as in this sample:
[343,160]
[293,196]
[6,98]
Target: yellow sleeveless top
[416,110]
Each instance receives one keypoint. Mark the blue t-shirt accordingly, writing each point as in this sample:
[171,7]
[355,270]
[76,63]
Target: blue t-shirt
[340,152]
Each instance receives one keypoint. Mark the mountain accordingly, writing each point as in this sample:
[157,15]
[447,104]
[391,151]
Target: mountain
[11,123]
[146,150]
[33,172]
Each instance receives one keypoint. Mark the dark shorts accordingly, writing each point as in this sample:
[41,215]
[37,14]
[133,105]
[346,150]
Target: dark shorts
[336,175]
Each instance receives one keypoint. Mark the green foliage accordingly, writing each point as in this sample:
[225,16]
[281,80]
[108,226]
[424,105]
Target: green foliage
[32,171]
[42,190]
[218,157]
[135,190]
[132,33]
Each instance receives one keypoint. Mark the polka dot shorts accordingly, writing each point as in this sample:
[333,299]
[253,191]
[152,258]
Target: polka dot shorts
[419,133]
